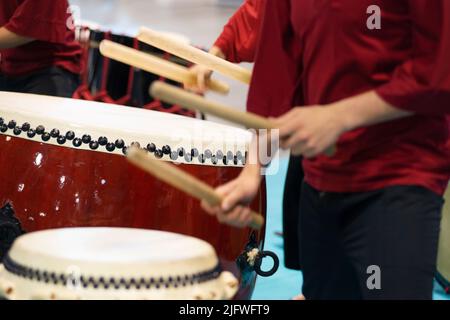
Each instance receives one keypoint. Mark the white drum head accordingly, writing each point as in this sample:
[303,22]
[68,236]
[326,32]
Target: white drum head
[113,263]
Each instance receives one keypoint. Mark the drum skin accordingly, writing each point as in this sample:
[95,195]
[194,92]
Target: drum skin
[54,187]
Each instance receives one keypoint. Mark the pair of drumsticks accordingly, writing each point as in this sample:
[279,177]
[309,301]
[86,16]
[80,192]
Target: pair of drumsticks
[174,95]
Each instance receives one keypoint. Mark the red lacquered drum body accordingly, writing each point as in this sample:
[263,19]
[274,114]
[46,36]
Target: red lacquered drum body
[53,181]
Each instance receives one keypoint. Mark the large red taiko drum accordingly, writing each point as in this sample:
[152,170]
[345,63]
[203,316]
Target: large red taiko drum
[62,165]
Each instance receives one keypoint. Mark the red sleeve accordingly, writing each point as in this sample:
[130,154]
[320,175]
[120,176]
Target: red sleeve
[239,36]
[44,20]
[442,71]
[419,85]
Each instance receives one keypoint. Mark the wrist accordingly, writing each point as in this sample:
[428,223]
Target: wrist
[342,116]
[216,51]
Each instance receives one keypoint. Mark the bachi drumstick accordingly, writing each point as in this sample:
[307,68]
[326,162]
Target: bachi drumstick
[171,94]
[195,55]
[182,181]
[153,64]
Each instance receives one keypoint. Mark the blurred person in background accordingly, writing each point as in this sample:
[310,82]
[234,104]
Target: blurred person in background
[39,53]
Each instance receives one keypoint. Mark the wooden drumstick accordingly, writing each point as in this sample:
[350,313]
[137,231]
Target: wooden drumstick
[171,94]
[192,54]
[153,64]
[182,181]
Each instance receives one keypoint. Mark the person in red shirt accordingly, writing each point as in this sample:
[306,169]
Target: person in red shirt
[237,43]
[370,215]
[39,53]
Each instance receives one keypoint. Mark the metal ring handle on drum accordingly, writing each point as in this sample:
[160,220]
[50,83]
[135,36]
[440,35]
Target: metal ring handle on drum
[258,262]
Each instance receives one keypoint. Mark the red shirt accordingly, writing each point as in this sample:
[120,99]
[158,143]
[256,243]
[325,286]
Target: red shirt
[442,74]
[239,42]
[341,58]
[45,21]
[239,37]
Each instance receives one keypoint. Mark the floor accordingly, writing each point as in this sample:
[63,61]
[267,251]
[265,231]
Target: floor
[201,21]
[285,284]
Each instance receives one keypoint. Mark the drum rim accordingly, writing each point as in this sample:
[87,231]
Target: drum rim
[106,283]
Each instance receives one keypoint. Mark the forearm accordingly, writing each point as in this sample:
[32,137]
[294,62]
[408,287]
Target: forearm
[365,110]
[10,39]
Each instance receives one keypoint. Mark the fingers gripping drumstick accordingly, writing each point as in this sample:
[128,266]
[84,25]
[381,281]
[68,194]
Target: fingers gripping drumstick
[171,94]
[182,181]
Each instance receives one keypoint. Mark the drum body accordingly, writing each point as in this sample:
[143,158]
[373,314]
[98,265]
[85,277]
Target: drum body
[62,165]
[444,245]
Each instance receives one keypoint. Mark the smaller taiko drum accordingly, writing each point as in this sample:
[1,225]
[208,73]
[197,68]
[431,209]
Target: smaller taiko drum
[113,263]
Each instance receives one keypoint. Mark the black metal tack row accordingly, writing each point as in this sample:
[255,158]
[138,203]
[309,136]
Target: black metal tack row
[110,146]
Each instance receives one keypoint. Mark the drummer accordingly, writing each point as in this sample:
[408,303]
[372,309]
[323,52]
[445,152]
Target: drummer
[370,215]
[39,53]
[237,43]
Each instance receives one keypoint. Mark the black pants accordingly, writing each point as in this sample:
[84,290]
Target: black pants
[291,217]
[53,81]
[344,236]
